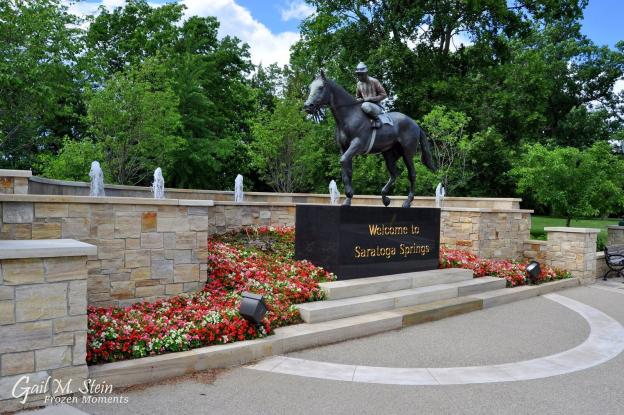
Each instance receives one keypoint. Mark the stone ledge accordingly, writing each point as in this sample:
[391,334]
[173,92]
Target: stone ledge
[15,173]
[45,248]
[571,230]
[195,202]
[485,210]
[103,200]
[536,242]
[618,227]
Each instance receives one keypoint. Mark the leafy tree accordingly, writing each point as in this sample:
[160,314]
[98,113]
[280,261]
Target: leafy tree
[40,82]
[210,77]
[73,160]
[286,148]
[124,37]
[269,84]
[489,160]
[216,103]
[570,182]
[135,117]
[446,129]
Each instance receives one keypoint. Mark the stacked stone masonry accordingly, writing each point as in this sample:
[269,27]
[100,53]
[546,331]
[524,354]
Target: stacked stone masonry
[484,232]
[571,249]
[146,250]
[43,324]
[14,181]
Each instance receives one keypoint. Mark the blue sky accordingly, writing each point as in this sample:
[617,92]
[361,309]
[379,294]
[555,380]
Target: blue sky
[270,27]
[603,21]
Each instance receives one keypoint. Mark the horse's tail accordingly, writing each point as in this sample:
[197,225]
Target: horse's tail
[425,151]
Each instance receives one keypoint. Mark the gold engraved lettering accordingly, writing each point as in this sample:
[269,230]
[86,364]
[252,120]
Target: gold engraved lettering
[414,249]
[378,251]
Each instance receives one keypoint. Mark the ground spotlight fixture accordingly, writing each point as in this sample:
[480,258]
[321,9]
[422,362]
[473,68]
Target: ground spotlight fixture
[253,308]
[533,271]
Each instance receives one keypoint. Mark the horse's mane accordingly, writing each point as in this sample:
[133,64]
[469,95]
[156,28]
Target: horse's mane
[341,92]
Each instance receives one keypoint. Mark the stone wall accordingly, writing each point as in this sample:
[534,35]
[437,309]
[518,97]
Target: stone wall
[146,249]
[43,316]
[490,233]
[14,181]
[150,249]
[572,249]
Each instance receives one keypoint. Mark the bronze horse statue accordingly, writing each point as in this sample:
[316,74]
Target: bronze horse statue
[355,135]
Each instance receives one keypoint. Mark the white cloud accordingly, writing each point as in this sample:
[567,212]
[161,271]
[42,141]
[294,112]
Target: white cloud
[297,9]
[619,86]
[266,47]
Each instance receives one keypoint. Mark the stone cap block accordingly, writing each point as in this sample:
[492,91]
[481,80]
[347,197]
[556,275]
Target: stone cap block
[536,242]
[15,173]
[571,230]
[45,248]
[195,202]
[618,227]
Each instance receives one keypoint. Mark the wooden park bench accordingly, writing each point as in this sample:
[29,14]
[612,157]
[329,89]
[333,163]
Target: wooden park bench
[614,255]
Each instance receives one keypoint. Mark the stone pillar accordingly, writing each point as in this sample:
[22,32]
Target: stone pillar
[573,249]
[14,181]
[615,235]
[43,318]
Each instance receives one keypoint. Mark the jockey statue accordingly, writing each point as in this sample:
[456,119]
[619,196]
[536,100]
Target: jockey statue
[370,93]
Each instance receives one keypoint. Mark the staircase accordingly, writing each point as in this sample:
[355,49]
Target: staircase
[362,296]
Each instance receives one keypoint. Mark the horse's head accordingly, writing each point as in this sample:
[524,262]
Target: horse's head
[319,94]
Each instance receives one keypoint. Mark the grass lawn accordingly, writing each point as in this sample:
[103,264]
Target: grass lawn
[538,223]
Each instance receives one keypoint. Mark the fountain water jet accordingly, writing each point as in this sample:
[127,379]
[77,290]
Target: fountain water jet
[334,194]
[97,180]
[158,187]
[238,189]
[440,193]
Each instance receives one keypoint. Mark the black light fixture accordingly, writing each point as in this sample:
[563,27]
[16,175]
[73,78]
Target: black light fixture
[253,308]
[533,271]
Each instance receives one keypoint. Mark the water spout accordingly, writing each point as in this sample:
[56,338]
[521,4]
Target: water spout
[97,180]
[158,187]
[238,189]
[334,194]
[440,193]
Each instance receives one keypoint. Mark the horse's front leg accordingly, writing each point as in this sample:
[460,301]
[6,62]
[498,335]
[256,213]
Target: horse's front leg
[346,162]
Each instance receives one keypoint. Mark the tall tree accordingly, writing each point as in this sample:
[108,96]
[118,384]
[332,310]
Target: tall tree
[209,77]
[135,116]
[40,82]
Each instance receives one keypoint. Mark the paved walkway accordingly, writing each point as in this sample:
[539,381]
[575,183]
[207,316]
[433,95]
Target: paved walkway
[553,354]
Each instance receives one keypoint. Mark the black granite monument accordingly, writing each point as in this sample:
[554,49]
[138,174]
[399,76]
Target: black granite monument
[366,241]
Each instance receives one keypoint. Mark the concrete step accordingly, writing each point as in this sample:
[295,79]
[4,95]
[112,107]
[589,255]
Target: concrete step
[347,307]
[358,287]
[480,285]
[507,295]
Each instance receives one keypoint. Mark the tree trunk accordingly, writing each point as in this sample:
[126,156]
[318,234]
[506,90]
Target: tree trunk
[568,220]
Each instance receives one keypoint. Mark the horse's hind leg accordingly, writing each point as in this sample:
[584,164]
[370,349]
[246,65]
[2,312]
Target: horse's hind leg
[390,157]
[411,172]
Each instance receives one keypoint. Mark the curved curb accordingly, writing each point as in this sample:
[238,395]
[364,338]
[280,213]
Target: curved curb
[605,341]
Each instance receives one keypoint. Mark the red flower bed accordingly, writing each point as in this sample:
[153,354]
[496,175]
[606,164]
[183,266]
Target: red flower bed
[211,316]
[513,271]
[259,260]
